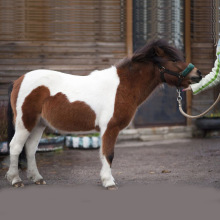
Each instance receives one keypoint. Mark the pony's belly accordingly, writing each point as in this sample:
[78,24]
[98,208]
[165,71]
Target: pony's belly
[62,115]
[66,132]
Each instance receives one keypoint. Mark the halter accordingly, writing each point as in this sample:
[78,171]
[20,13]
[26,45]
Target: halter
[180,75]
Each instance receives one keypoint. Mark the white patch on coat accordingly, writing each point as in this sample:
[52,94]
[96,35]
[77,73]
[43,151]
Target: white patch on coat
[31,147]
[98,90]
[106,174]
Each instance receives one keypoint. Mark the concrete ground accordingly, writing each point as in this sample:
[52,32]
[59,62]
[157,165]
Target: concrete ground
[170,179]
[181,162]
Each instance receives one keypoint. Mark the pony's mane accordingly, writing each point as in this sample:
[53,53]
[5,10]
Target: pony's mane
[148,53]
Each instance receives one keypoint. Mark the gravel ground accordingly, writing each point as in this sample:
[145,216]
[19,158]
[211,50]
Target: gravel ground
[181,162]
[172,179]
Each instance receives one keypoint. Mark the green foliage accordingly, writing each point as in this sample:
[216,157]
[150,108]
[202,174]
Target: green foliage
[213,115]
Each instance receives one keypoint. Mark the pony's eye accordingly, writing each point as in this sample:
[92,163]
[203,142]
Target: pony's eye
[174,61]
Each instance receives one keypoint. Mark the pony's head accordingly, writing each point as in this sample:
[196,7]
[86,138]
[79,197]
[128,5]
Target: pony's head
[169,63]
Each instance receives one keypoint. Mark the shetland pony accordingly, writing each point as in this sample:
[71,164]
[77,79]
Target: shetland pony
[105,101]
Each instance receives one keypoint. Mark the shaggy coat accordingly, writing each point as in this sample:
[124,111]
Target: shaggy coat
[105,100]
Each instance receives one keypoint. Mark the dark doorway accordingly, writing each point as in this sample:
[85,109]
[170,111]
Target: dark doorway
[153,19]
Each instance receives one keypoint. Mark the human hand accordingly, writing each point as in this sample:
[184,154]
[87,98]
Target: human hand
[187,89]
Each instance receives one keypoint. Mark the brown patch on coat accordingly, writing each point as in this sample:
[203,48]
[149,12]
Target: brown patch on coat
[32,106]
[136,84]
[66,116]
[14,95]
[108,142]
[139,75]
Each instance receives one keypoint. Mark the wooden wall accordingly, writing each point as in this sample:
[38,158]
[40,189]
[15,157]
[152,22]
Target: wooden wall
[73,36]
[203,34]
[203,46]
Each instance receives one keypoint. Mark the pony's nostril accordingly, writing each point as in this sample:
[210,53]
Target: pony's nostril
[199,72]
[196,79]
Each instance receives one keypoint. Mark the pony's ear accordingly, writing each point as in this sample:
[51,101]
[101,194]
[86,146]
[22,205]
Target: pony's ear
[159,52]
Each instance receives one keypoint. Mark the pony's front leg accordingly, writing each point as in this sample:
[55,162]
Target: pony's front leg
[107,154]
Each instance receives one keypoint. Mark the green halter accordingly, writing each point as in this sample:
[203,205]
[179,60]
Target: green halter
[180,75]
[188,69]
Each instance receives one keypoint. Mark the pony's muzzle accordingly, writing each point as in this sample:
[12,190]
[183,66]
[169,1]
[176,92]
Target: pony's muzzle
[196,79]
[199,73]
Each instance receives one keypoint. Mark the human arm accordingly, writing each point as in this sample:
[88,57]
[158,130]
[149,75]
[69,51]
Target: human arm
[211,79]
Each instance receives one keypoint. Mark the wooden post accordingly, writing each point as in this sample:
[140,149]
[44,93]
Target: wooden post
[129,35]
[188,54]
[216,5]
[129,40]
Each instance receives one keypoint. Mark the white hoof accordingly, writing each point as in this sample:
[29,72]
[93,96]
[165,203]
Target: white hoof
[13,178]
[34,176]
[40,182]
[112,187]
[108,181]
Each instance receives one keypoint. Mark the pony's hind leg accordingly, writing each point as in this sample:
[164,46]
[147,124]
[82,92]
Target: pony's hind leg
[107,155]
[31,147]
[16,146]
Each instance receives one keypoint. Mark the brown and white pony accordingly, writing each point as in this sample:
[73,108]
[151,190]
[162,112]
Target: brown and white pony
[105,101]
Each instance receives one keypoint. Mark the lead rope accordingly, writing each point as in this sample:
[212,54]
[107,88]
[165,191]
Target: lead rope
[179,100]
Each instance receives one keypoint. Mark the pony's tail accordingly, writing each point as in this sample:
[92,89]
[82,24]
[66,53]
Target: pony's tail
[11,129]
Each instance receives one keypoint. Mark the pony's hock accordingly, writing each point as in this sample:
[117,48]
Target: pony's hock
[105,101]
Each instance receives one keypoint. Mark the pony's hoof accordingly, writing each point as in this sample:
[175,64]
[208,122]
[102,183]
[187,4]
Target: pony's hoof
[18,184]
[40,182]
[113,187]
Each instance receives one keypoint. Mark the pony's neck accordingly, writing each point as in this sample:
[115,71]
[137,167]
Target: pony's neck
[149,80]
[140,80]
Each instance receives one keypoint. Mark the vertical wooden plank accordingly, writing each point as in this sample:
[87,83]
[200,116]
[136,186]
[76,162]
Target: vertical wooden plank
[188,54]
[129,35]
[216,6]
[129,25]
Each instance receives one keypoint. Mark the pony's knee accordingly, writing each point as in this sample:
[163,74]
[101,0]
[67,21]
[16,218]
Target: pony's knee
[108,154]
[108,144]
